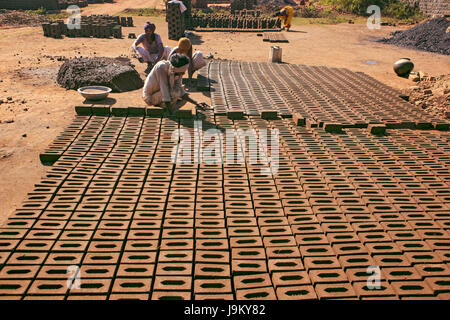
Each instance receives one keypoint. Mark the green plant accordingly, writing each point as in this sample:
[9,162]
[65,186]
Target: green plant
[41,10]
[145,12]
[389,8]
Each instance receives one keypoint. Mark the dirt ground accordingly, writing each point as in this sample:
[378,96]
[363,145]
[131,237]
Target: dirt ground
[39,109]
[120,5]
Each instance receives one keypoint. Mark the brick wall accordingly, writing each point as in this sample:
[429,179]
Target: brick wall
[432,7]
[29,4]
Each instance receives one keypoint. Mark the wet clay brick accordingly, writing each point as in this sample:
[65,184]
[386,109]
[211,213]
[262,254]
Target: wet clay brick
[13,286]
[119,111]
[172,283]
[83,110]
[252,281]
[171,295]
[266,293]
[299,120]
[377,129]
[363,290]
[304,292]
[412,289]
[132,285]
[212,286]
[335,291]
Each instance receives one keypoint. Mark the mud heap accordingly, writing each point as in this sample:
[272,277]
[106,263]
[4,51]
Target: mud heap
[118,74]
[432,94]
[429,36]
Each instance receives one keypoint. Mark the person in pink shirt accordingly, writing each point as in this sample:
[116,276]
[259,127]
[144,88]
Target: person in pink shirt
[149,47]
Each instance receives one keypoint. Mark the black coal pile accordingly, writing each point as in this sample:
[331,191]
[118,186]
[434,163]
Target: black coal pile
[429,36]
[118,74]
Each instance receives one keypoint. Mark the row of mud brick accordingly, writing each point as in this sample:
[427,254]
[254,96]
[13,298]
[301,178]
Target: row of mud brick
[274,37]
[316,94]
[233,22]
[97,26]
[133,223]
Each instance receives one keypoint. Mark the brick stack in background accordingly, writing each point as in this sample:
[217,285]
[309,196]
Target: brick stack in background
[29,4]
[175,21]
[431,7]
[97,26]
[234,22]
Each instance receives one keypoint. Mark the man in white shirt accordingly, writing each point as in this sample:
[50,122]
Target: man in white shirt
[163,86]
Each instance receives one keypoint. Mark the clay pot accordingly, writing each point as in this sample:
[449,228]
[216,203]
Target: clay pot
[403,67]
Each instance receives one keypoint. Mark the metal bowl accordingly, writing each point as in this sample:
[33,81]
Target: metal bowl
[100,94]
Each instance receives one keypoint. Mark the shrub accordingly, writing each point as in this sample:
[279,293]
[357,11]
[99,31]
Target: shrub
[389,8]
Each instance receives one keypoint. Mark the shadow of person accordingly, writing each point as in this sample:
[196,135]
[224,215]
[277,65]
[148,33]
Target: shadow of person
[195,39]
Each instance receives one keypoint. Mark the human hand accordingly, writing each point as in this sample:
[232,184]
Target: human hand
[203,106]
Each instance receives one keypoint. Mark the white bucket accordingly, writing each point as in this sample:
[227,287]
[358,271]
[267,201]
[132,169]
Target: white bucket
[275,54]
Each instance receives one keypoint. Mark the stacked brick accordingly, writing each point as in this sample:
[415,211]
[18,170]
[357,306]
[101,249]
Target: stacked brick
[211,22]
[117,213]
[318,95]
[97,26]
[175,21]
[431,7]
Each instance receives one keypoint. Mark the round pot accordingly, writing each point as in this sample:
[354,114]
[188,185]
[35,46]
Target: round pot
[403,67]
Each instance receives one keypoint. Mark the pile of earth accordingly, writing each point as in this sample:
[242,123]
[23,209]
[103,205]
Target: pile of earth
[432,94]
[116,73]
[429,36]
[14,18]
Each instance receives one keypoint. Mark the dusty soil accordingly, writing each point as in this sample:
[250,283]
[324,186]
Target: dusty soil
[39,109]
[120,5]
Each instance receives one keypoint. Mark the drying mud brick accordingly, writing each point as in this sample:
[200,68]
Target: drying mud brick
[235,115]
[119,111]
[117,74]
[299,120]
[183,114]
[332,127]
[155,112]
[377,129]
[83,110]
[269,114]
[100,110]
[136,111]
